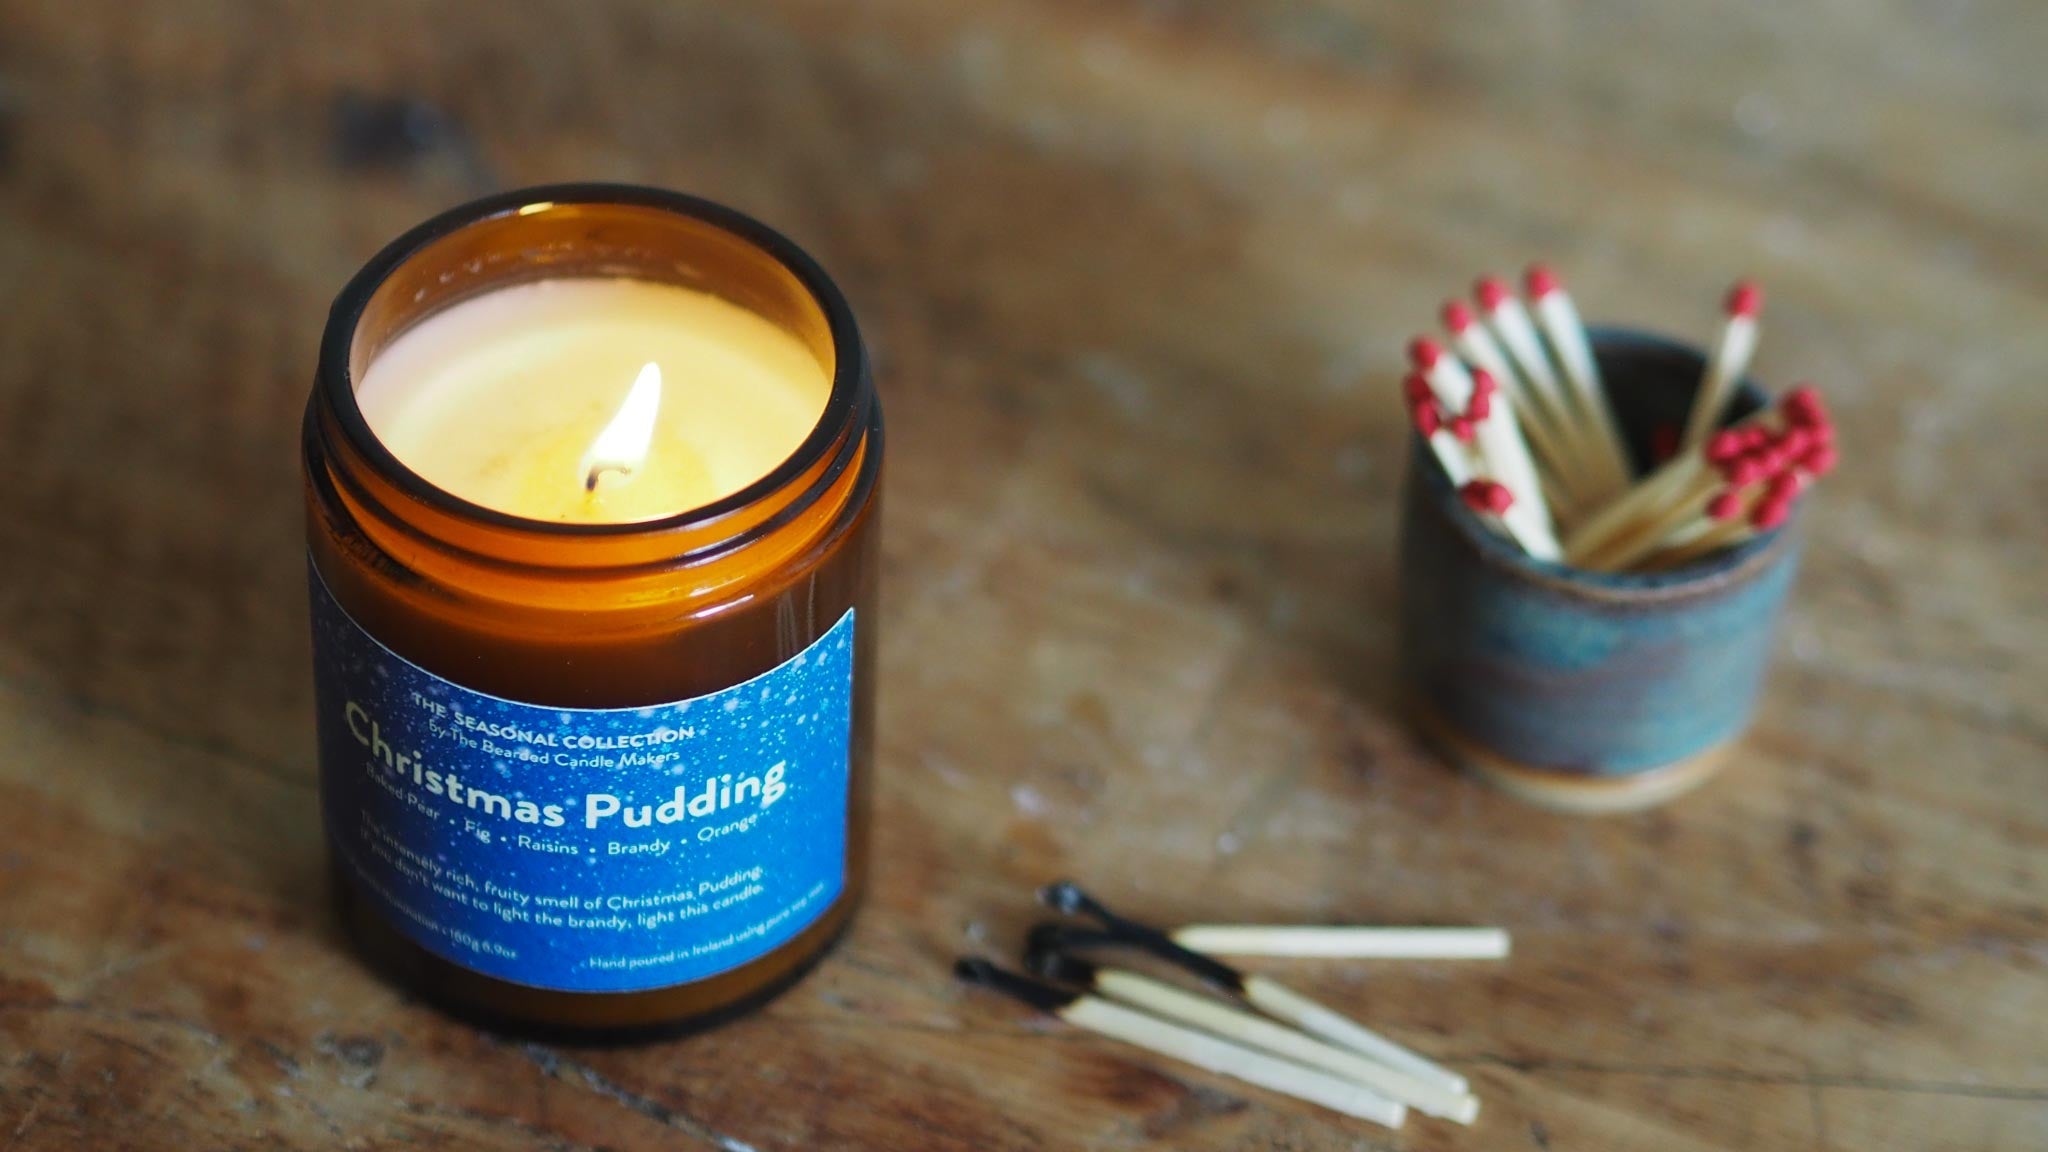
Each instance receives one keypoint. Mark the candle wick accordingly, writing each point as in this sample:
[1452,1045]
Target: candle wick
[598,470]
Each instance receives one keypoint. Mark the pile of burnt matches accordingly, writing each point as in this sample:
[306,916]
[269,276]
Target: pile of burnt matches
[1246,1026]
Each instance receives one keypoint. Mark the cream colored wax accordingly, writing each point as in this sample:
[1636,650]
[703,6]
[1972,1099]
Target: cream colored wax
[500,399]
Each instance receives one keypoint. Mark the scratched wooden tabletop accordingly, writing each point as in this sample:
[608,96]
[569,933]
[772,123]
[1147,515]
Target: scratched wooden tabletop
[1137,276]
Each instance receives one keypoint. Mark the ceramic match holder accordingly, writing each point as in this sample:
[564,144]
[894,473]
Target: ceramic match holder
[1578,690]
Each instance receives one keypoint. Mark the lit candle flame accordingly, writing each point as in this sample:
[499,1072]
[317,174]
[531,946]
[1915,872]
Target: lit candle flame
[622,446]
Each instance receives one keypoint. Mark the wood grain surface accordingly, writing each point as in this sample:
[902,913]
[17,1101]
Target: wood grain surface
[1138,276]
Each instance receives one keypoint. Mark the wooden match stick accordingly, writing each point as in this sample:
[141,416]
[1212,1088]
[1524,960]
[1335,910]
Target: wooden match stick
[1640,536]
[1797,434]
[1345,942]
[1803,454]
[1267,995]
[1765,467]
[1559,318]
[1283,1003]
[1517,333]
[1497,436]
[1623,551]
[1742,517]
[1173,1003]
[1646,535]
[1475,395]
[1743,459]
[1677,477]
[1461,465]
[1474,343]
[1200,1049]
[1729,361]
[1691,541]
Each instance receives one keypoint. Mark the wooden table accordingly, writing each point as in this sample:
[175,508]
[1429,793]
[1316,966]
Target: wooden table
[1138,275]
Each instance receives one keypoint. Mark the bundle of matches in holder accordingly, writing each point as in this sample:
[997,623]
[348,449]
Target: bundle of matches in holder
[1523,426]
[1741,483]
[1260,1032]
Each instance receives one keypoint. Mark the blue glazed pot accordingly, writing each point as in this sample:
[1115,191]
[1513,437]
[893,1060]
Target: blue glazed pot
[1586,691]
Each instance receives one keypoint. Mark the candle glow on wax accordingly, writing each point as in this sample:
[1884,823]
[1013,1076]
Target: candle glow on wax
[594,400]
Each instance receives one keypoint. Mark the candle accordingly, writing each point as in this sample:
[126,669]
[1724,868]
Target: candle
[592,493]
[500,398]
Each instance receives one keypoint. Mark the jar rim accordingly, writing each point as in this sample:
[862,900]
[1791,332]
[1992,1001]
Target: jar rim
[850,395]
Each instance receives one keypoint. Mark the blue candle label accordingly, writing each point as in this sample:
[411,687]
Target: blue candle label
[587,850]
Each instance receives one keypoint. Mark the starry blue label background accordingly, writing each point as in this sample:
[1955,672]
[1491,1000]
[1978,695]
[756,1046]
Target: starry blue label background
[563,907]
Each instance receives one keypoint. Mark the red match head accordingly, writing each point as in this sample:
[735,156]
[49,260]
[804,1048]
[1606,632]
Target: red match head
[1795,441]
[1487,496]
[1457,317]
[1463,427]
[1664,443]
[1743,471]
[1769,514]
[1480,406]
[1818,460]
[1540,281]
[1754,437]
[1424,352]
[1784,487]
[1745,299]
[1415,388]
[1726,504]
[1804,407]
[1492,293]
[1483,383]
[1724,446]
[1429,419]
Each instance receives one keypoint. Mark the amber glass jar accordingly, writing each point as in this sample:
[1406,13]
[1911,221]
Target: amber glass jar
[555,662]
